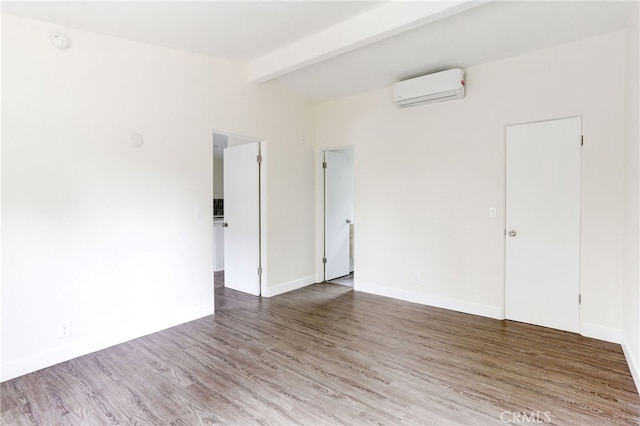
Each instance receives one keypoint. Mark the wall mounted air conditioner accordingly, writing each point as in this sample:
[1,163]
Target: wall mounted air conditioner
[438,87]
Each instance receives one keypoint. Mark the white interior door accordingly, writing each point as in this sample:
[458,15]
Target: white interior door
[339,211]
[242,218]
[543,223]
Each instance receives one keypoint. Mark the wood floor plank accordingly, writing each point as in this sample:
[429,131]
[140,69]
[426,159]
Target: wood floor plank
[326,355]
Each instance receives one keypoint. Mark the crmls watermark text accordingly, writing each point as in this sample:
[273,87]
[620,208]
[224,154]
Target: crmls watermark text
[524,417]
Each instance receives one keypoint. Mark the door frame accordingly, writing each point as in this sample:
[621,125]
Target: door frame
[322,210]
[262,205]
[504,309]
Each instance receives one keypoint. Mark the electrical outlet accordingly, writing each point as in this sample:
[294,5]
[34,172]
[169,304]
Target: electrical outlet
[417,278]
[64,329]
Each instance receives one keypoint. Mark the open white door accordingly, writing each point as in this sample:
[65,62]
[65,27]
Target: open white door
[338,211]
[242,218]
[543,223]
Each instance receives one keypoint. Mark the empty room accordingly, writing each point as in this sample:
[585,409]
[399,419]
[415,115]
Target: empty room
[320,212]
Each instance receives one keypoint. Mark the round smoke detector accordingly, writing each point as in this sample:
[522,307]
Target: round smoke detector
[59,40]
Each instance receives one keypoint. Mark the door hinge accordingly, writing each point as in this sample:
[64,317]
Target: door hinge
[324,164]
[579,298]
[324,260]
[260,270]
[259,158]
[581,140]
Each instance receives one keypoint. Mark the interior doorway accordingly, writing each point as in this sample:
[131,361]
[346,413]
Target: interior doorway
[542,247]
[339,227]
[238,208]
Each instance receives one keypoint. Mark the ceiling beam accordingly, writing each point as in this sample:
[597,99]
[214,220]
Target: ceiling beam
[377,24]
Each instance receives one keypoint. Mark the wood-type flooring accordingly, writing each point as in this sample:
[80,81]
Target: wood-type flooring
[326,355]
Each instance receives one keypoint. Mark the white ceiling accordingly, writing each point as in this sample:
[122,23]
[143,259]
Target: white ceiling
[238,30]
[454,33]
[489,32]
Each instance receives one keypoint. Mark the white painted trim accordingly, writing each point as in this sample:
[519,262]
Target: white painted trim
[600,332]
[264,222]
[319,217]
[290,286]
[377,24]
[458,305]
[634,367]
[127,329]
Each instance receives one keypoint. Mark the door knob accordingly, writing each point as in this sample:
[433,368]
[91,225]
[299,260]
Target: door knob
[225,225]
[512,233]
[348,221]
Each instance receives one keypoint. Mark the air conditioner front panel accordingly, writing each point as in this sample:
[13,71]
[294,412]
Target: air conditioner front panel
[436,87]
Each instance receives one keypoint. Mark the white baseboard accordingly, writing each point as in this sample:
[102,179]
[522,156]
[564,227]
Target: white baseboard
[126,329]
[290,286]
[632,361]
[432,300]
[608,334]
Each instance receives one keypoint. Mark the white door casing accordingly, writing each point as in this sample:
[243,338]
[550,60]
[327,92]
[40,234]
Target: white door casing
[338,212]
[242,218]
[543,162]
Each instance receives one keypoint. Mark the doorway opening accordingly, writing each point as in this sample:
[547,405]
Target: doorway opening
[238,212]
[339,227]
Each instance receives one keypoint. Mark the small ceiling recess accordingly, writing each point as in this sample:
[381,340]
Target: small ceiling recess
[59,40]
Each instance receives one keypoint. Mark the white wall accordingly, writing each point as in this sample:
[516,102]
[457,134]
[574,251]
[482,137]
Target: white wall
[114,239]
[631,293]
[425,178]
